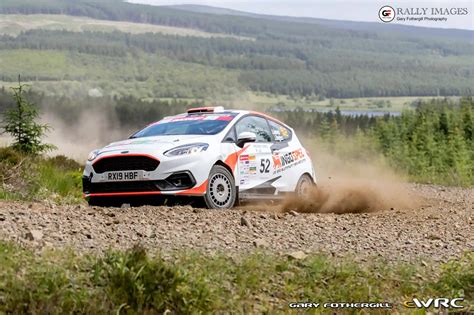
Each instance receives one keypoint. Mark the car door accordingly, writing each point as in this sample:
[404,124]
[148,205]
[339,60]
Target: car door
[255,162]
[283,157]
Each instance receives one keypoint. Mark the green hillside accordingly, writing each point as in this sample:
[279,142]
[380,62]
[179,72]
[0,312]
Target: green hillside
[280,56]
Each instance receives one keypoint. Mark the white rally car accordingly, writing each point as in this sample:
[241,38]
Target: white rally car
[220,155]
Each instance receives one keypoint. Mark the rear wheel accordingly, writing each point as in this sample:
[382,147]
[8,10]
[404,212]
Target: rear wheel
[304,186]
[221,191]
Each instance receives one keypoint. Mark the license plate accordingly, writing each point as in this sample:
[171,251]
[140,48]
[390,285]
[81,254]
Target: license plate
[123,176]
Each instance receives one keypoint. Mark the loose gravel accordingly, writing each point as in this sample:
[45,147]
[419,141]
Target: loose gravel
[437,230]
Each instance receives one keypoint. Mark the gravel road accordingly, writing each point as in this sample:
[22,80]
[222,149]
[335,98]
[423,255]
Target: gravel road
[439,229]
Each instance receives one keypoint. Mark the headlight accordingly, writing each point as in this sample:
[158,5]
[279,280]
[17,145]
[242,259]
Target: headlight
[187,149]
[93,155]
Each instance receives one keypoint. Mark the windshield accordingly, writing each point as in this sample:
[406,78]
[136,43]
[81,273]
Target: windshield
[209,124]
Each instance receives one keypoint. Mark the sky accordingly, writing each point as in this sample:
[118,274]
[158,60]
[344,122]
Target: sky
[352,10]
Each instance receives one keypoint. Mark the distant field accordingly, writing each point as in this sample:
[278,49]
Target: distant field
[14,24]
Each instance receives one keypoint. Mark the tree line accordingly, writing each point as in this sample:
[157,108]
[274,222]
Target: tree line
[435,142]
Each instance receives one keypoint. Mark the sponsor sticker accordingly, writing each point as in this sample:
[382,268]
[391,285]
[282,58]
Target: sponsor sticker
[244,157]
[287,160]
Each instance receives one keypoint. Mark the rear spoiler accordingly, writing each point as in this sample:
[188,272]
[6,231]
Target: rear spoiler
[217,109]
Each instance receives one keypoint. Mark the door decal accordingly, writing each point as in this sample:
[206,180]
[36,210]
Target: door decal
[285,161]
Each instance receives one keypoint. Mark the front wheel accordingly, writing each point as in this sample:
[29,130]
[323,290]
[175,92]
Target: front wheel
[221,191]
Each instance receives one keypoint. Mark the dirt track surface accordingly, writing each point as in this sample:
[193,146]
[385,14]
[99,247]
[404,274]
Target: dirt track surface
[439,229]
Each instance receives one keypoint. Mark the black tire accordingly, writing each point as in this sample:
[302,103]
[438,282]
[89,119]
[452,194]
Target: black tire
[304,186]
[221,192]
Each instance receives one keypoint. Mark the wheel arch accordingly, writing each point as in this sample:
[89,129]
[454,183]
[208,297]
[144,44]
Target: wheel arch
[221,163]
[310,176]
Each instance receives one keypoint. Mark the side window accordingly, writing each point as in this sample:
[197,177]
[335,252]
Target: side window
[280,133]
[257,125]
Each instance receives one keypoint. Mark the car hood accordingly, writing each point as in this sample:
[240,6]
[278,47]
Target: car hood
[156,144]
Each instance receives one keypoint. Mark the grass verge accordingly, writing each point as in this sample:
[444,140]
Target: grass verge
[23,177]
[132,281]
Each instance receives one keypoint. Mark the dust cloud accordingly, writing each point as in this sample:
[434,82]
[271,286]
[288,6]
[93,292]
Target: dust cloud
[352,184]
[91,130]
[5,140]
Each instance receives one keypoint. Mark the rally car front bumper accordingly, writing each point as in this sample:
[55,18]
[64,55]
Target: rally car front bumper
[185,175]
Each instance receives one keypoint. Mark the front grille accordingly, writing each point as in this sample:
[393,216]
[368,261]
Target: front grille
[125,163]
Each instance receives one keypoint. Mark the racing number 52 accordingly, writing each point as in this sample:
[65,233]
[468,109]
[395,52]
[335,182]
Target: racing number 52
[264,165]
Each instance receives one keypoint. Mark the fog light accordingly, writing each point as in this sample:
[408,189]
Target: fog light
[181,180]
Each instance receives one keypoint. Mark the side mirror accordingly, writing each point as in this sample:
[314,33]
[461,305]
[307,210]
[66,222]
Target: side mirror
[245,137]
